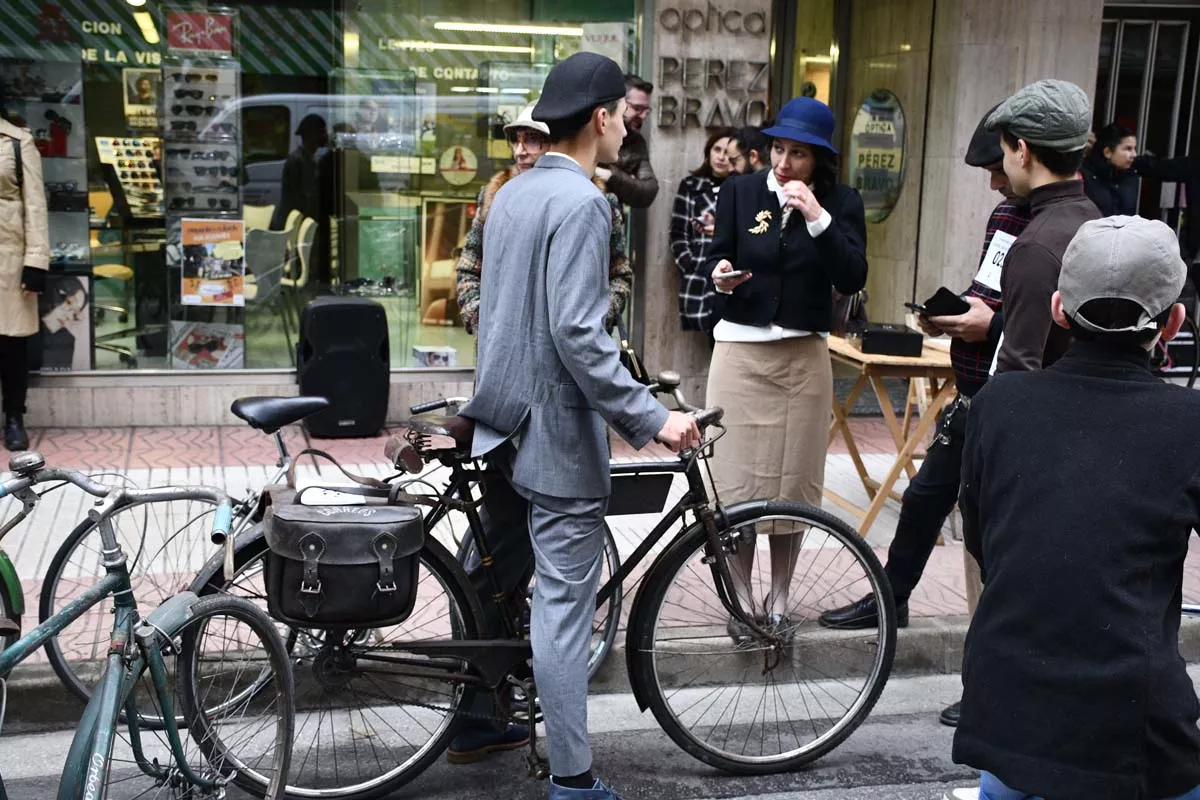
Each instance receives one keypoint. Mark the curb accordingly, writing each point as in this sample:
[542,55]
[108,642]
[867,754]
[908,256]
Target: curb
[37,701]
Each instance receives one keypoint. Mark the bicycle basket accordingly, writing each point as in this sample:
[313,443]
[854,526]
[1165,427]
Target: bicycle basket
[342,566]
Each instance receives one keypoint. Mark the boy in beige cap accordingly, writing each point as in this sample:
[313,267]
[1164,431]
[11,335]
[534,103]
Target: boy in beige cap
[1079,513]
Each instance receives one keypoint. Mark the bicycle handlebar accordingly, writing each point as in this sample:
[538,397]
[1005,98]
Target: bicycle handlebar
[118,497]
[436,405]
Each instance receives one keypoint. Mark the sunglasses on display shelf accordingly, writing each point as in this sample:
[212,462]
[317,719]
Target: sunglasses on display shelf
[64,186]
[222,127]
[195,111]
[214,202]
[194,77]
[183,202]
[195,348]
[210,155]
[195,94]
[183,125]
[214,171]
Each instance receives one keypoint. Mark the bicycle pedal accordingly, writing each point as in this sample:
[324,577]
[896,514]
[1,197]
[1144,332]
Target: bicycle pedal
[539,770]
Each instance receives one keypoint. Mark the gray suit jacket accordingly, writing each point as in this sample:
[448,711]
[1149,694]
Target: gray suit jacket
[547,370]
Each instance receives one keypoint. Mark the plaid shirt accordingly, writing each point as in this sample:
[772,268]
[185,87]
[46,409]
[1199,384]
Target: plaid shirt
[689,247]
[973,360]
[469,269]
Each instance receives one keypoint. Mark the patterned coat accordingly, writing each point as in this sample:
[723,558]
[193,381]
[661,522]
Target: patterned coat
[689,246]
[470,262]
[24,229]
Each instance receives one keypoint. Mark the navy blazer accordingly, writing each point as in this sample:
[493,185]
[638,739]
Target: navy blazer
[793,273]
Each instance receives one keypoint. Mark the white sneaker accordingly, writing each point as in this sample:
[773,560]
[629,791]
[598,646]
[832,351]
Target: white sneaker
[962,794]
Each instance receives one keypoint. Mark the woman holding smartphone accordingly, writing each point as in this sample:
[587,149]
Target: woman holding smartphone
[693,220]
[785,238]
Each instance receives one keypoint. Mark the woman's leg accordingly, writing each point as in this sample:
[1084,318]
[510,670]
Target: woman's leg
[14,373]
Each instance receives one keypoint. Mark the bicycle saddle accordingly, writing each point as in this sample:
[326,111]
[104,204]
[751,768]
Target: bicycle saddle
[460,429]
[269,414]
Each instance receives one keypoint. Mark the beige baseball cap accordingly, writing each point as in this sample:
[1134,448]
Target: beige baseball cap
[525,120]
[1127,258]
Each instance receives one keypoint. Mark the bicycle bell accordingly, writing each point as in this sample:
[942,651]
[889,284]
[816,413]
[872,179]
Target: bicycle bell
[26,463]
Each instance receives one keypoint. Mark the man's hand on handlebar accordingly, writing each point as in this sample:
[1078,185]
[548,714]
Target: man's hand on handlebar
[680,433]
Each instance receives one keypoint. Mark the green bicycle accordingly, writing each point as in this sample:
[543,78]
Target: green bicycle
[216,663]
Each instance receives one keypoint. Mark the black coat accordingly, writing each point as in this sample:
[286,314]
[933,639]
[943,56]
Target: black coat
[793,273]
[1185,170]
[1114,193]
[1081,486]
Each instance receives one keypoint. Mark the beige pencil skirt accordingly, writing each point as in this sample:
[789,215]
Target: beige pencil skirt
[778,399]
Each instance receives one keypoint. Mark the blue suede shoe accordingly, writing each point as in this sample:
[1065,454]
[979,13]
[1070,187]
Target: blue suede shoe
[476,743]
[597,792]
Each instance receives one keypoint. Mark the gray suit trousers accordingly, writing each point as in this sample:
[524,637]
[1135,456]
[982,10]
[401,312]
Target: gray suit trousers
[568,541]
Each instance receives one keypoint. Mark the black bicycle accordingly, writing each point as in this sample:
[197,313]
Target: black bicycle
[733,665]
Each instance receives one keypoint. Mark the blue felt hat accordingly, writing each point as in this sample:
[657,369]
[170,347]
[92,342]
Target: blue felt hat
[804,119]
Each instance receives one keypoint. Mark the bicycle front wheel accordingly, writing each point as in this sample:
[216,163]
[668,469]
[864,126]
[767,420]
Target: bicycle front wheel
[746,703]
[228,677]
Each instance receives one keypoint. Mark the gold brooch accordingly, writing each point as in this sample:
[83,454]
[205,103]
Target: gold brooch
[762,218]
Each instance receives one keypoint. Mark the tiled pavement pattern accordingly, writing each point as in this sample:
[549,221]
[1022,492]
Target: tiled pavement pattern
[238,459]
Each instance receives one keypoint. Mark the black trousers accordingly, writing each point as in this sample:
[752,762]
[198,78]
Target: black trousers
[928,500]
[14,372]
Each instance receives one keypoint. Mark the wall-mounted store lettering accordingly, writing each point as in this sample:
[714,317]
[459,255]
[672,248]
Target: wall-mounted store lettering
[710,71]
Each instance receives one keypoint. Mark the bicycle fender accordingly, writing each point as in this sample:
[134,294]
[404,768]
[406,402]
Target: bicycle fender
[733,515]
[10,584]
[172,614]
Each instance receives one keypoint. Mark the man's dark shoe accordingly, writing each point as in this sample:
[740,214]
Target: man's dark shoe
[949,715]
[15,438]
[475,744]
[863,614]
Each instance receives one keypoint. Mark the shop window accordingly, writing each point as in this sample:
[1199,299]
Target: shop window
[199,218]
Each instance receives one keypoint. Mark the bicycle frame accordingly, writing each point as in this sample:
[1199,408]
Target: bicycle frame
[87,763]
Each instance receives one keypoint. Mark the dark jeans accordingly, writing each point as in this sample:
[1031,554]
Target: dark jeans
[928,500]
[14,372]
[505,519]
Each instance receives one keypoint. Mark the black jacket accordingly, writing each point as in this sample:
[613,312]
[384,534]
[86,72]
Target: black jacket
[1114,193]
[633,181]
[1081,486]
[793,274]
[1184,170]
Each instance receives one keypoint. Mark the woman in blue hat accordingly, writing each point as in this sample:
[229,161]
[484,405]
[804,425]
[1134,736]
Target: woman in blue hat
[785,239]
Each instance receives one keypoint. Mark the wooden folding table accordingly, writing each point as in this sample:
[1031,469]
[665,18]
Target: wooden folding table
[933,365]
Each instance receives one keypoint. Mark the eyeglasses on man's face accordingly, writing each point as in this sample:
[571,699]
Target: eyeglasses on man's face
[532,141]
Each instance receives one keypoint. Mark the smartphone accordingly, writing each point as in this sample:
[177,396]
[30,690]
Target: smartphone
[737,273]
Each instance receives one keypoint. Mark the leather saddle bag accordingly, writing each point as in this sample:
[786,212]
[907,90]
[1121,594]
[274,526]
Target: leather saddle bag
[343,566]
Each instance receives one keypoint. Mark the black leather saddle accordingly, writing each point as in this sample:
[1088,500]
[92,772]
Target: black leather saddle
[269,414]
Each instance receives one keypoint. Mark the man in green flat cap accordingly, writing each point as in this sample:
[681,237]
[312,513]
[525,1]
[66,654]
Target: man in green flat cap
[1043,131]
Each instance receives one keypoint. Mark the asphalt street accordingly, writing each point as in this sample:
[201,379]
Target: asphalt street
[900,753]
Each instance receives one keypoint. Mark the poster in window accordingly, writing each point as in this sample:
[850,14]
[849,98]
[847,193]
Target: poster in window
[207,345]
[213,263]
[64,340]
[200,33]
[143,88]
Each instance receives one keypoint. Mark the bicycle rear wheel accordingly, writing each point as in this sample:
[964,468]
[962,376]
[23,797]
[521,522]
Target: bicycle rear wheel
[736,700]
[366,724]
[230,680]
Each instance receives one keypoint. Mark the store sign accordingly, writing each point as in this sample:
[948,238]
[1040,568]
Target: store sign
[708,75]
[200,33]
[877,153]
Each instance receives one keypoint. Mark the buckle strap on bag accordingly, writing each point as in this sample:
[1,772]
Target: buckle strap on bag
[384,547]
[312,546]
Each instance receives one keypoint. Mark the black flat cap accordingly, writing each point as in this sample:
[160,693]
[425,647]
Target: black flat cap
[579,84]
[984,149]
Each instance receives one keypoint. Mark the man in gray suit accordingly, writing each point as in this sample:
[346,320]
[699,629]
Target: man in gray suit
[549,377]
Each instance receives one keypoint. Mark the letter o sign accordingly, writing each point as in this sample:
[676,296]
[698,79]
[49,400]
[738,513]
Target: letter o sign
[669,19]
[755,23]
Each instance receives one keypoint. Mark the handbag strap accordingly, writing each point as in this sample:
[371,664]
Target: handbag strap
[20,167]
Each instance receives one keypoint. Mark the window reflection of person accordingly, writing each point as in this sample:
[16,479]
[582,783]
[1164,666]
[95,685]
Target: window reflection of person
[299,187]
[331,178]
[59,307]
[371,118]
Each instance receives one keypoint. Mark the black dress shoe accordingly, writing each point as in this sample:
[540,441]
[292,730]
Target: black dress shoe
[863,614]
[949,715]
[15,438]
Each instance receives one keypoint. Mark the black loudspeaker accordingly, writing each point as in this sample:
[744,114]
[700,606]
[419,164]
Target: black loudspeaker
[343,356]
